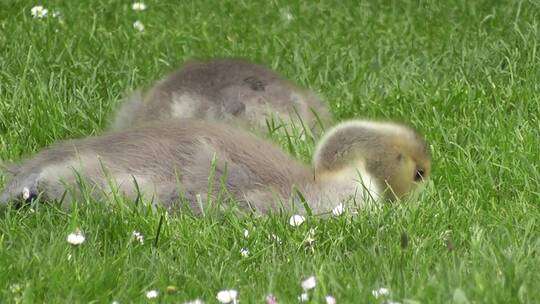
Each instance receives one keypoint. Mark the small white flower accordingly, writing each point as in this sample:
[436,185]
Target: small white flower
[244,252]
[310,238]
[309,283]
[330,300]
[246,233]
[304,297]
[139,26]
[76,237]
[139,237]
[196,301]
[338,210]
[115,302]
[276,238]
[381,292]
[25,193]
[227,296]
[39,11]
[138,6]
[296,220]
[152,294]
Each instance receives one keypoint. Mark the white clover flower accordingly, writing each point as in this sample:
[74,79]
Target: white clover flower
[139,26]
[304,297]
[296,220]
[39,12]
[246,233]
[196,301]
[138,6]
[244,252]
[76,237]
[330,300]
[25,193]
[309,283]
[381,292]
[139,237]
[152,294]
[227,296]
[338,210]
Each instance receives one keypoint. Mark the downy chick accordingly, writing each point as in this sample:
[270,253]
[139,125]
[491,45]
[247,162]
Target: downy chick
[170,161]
[230,90]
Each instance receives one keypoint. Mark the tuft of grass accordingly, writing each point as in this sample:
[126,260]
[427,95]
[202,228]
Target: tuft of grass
[464,73]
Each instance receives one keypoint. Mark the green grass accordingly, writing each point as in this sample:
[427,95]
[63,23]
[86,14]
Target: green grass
[465,73]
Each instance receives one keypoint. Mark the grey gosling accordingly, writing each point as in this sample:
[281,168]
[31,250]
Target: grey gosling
[355,161]
[230,90]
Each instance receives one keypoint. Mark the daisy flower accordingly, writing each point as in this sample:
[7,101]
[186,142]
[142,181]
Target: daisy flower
[330,300]
[139,237]
[244,252]
[152,294]
[76,237]
[139,26]
[227,296]
[338,210]
[296,220]
[310,237]
[138,6]
[25,193]
[381,292]
[309,283]
[304,297]
[39,12]
[271,299]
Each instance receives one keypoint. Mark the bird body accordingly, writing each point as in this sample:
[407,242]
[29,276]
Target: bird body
[198,161]
[230,90]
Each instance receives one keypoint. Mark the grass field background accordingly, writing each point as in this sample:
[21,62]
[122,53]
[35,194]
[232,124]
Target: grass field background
[465,73]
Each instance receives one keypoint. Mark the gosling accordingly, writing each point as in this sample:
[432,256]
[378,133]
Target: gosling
[230,90]
[171,162]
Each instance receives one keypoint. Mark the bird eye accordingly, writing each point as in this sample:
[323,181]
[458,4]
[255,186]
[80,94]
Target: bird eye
[419,175]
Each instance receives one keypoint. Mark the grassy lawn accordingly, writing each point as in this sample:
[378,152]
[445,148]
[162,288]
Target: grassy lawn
[465,73]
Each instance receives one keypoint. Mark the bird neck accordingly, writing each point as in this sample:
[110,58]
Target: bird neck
[350,185]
